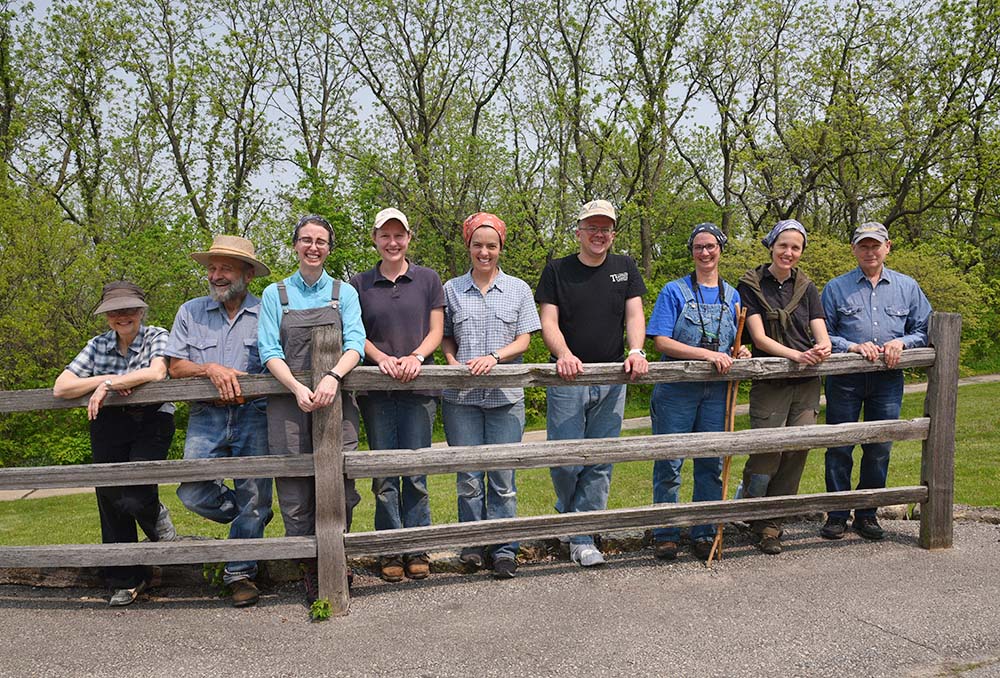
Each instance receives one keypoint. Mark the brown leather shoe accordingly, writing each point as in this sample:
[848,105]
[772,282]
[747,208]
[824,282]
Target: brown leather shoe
[245,593]
[391,568]
[418,567]
[665,550]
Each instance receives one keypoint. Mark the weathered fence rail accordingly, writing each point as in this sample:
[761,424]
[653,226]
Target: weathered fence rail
[330,463]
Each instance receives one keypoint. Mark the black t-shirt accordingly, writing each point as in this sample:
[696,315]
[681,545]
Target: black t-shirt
[591,301]
[778,295]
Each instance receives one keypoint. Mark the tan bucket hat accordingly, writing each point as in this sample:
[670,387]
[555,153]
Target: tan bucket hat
[235,247]
[121,294]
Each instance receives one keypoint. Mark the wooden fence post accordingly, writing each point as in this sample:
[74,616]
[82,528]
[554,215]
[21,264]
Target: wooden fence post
[328,457]
[937,464]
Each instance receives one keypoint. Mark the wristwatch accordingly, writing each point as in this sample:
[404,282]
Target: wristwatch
[107,382]
[496,356]
[641,352]
[420,358]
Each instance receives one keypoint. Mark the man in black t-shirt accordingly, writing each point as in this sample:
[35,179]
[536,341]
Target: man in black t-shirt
[585,302]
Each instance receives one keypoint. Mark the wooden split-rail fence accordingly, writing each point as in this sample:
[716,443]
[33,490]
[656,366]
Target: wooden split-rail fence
[332,546]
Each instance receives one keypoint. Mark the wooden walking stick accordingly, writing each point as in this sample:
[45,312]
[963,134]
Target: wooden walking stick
[731,393]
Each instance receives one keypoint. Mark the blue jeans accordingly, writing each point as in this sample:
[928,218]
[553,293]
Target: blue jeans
[881,395]
[575,412]
[472,425]
[399,420]
[687,407]
[222,432]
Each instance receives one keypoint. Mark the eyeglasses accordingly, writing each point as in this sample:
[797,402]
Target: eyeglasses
[707,249]
[592,229]
[309,242]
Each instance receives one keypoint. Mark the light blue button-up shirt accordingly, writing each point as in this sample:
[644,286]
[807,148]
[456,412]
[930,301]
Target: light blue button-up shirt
[856,311]
[300,297]
[203,333]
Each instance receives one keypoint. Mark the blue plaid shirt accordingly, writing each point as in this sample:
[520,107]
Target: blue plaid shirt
[856,312]
[480,323]
[100,356]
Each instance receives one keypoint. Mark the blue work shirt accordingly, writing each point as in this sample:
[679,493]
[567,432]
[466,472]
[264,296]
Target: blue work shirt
[203,333]
[301,297]
[856,311]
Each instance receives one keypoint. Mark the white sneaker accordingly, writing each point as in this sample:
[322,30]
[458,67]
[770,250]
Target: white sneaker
[586,555]
[164,526]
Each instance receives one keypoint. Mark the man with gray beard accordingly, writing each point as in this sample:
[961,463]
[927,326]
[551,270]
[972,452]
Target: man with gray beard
[216,337]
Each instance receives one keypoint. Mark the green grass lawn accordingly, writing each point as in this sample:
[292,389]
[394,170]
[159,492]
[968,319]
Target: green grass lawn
[73,519]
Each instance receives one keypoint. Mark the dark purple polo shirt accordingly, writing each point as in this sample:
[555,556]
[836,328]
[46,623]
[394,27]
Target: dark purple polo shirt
[397,315]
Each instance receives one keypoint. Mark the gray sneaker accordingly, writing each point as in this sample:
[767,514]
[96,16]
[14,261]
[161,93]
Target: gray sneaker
[164,526]
[123,597]
[586,555]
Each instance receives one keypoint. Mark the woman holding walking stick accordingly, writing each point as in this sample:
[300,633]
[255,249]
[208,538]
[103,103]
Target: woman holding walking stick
[785,319]
[694,319]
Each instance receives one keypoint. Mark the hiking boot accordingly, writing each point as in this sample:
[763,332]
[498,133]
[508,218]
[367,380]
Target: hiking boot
[310,580]
[665,550]
[123,597]
[245,593]
[164,526]
[418,566]
[702,549]
[769,544]
[586,555]
[504,568]
[473,557]
[868,527]
[834,528]
[391,568]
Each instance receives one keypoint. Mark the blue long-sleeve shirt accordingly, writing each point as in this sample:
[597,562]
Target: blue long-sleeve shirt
[856,311]
[300,297]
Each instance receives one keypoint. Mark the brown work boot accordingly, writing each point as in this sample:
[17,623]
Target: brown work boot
[418,566]
[245,593]
[391,568]
[665,550]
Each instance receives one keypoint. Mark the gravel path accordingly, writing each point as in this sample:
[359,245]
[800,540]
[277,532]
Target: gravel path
[847,608]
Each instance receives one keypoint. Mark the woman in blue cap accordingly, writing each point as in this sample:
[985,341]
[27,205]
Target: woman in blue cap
[694,319]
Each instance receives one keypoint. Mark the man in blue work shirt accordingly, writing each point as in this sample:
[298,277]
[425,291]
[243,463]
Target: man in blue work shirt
[216,337]
[875,312]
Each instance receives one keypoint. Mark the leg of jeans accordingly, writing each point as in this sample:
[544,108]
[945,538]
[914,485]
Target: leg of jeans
[252,495]
[672,409]
[503,425]
[464,425]
[844,396]
[884,401]
[711,418]
[208,438]
[380,416]
[564,420]
[416,422]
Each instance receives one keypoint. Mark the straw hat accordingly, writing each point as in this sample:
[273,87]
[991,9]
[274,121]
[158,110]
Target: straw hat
[235,247]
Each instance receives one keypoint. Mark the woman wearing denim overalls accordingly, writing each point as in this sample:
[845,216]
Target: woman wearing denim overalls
[694,319]
[289,311]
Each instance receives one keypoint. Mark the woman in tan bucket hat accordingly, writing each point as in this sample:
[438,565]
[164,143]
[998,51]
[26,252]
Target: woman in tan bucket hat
[128,355]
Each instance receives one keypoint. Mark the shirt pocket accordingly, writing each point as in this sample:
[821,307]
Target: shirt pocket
[848,311]
[506,322]
[203,349]
[461,324]
[253,356]
[896,317]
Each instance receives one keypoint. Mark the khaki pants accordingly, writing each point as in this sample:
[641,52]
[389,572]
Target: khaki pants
[773,404]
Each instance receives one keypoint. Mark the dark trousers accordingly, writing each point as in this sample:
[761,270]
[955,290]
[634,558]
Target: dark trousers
[122,434]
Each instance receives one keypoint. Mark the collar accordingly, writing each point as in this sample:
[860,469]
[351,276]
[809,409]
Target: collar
[251,304]
[111,345]
[300,282]
[791,278]
[860,276]
[470,283]
[377,268]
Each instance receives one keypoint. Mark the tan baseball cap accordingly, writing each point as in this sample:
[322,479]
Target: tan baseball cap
[387,215]
[598,208]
